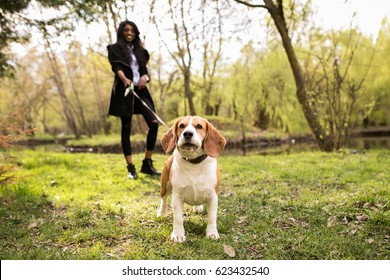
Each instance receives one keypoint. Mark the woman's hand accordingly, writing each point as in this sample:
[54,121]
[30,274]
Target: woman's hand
[143,81]
[127,82]
[124,79]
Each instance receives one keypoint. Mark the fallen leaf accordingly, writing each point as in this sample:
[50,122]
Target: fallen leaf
[379,205]
[293,220]
[241,220]
[229,250]
[361,218]
[33,225]
[370,241]
[228,194]
[331,221]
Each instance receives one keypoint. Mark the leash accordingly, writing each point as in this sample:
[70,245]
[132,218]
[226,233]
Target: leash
[131,88]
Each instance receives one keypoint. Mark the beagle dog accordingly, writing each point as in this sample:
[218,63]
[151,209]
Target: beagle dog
[191,173]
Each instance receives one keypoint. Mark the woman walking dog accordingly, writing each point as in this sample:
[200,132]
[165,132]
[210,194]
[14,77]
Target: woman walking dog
[128,59]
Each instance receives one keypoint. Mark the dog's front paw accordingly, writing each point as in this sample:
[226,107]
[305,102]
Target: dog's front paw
[212,234]
[162,212]
[178,237]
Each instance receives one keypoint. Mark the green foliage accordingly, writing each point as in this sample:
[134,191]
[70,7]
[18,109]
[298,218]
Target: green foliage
[380,85]
[10,32]
[299,206]
[261,88]
[336,70]
[7,31]
[87,82]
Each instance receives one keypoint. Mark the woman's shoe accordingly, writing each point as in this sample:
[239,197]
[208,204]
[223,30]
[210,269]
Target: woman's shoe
[148,168]
[132,172]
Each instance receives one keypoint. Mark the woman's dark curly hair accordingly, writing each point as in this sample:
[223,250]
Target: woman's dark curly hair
[136,43]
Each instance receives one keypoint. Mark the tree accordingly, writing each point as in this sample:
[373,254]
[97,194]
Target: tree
[380,85]
[179,12]
[58,78]
[98,85]
[10,17]
[29,93]
[212,41]
[7,31]
[336,68]
[326,133]
[277,13]
[162,83]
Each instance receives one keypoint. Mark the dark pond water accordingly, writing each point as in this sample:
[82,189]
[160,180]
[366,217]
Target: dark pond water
[356,144]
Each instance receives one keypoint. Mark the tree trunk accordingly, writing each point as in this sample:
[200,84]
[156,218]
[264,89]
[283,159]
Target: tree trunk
[101,108]
[66,105]
[211,58]
[188,93]
[79,106]
[322,139]
[182,56]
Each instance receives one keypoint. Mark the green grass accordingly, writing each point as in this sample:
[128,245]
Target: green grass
[309,205]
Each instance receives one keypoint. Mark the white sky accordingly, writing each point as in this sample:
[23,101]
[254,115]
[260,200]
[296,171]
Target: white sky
[338,13]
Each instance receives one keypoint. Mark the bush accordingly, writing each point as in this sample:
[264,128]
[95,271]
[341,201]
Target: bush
[10,133]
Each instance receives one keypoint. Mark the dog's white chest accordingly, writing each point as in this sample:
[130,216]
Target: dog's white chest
[194,182]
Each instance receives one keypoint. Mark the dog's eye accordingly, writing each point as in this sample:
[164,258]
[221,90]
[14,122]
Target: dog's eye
[182,125]
[199,126]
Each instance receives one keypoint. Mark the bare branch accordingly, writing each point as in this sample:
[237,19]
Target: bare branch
[252,5]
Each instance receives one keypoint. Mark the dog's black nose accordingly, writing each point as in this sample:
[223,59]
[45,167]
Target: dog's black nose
[188,135]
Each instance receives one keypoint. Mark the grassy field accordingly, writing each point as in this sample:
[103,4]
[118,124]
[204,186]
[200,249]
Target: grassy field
[309,205]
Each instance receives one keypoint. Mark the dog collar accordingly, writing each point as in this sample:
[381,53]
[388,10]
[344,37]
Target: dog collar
[196,160]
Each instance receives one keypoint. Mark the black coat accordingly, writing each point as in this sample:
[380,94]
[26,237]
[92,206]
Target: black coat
[121,105]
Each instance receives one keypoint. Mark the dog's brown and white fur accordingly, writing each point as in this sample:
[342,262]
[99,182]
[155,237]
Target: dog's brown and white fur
[191,173]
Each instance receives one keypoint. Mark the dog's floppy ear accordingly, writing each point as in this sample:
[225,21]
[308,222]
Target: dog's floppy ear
[214,142]
[169,139]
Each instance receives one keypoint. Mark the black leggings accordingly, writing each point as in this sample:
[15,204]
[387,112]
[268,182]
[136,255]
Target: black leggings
[151,138]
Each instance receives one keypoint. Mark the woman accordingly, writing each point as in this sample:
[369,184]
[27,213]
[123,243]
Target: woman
[128,60]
